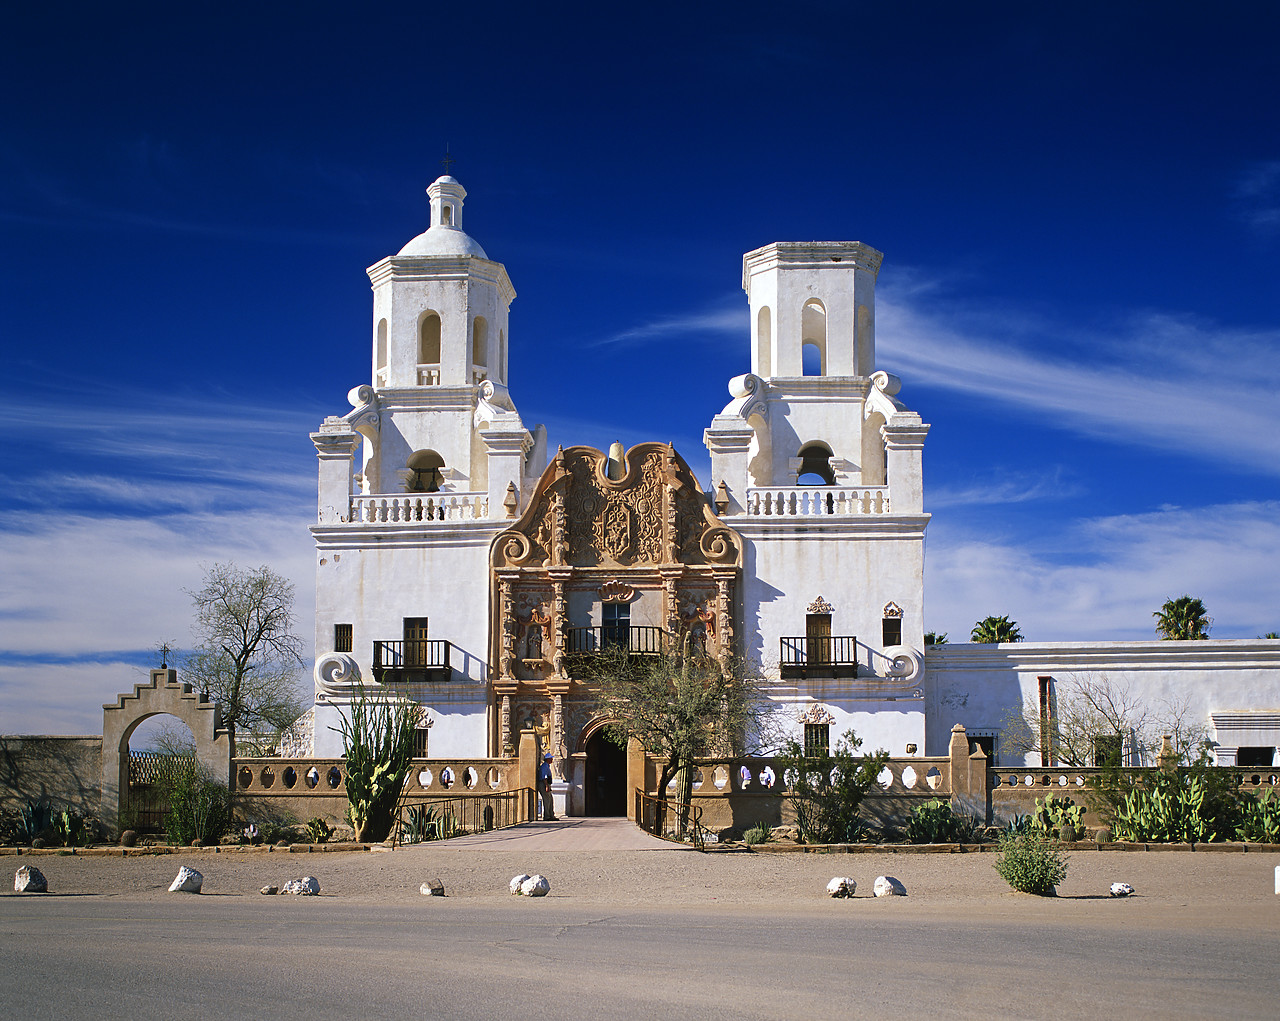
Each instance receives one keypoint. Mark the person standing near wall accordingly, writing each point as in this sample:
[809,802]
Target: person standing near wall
[544,788]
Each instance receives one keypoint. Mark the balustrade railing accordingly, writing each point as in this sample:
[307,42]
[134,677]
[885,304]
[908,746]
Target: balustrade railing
[639,640]
[312,776]
[757,774]
[419,508]
[818,656]
[805,501]
[422,655]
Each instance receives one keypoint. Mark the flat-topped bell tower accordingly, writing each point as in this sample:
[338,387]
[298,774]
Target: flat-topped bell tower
[819,295]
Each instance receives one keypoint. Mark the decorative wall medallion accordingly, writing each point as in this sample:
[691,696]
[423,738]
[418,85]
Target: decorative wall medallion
[820,605]
[816,713]
[892,609]
[616,592]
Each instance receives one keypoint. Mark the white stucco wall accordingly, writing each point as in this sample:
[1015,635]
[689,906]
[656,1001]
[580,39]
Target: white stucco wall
[976,685]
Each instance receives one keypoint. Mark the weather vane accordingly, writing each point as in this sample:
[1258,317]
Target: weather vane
[448,160]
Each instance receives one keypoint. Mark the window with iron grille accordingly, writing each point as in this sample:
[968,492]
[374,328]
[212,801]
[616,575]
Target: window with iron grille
[817,738]
[342,637]
[420,743]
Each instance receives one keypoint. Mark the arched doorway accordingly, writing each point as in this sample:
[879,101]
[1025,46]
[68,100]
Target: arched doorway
[157,746]
[605,780]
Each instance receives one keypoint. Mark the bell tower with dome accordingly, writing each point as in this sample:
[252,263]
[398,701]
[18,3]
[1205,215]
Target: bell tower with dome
[431,462]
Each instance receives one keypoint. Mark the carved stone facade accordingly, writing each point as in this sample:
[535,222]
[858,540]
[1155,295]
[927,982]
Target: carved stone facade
[645,543]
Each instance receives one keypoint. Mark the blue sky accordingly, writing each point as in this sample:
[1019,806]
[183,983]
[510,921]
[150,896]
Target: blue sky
[1079,209]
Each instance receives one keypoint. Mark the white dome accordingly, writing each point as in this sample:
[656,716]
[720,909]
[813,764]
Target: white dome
[446,241]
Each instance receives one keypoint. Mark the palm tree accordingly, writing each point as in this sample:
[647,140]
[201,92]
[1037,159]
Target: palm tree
[1182,620]
[995,629]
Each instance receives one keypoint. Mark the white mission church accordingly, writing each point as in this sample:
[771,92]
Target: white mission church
[463,560]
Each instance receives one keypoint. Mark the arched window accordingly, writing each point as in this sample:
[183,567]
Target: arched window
[764,343]
[446,216]
[815,465]
[813,333]
[873,451]
[502,357]
[382,343]
[425,472]
[480,342]
[429,340]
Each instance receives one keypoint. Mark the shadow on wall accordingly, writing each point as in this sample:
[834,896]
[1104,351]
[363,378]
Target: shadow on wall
[66,770]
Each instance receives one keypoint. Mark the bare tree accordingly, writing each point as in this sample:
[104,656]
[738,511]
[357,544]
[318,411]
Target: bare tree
[679,707]
[247,656]
[1094,717]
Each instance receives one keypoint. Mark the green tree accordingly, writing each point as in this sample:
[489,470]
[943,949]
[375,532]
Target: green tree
[1270,634]
[995,629]
[825,788]
[679,707]
[247,656]
[1182,619]
[935,638]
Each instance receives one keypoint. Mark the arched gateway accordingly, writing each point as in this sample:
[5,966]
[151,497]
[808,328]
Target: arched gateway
[162,695]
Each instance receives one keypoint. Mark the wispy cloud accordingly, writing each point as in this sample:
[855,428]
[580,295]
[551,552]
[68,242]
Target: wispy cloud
[1017,487]
[1257,196]
[1101,578]
[710,322]
[1159,381]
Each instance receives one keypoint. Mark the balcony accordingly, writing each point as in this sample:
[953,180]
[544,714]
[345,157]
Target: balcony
[419,508]
[407,662]
[817,501]
[818,656]
[638,641]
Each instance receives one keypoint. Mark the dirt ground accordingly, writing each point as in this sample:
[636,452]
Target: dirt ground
[1213,888]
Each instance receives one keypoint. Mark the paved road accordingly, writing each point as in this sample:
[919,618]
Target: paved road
[230,956]
[567,834]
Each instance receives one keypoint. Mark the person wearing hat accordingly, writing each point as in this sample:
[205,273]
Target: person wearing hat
[544,788]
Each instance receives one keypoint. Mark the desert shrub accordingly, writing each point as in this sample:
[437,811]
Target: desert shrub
[825,789]
[199,806]
[758,834]
[934,822]
[1018,824]
[318,831]
[1029,864]
[1260,820]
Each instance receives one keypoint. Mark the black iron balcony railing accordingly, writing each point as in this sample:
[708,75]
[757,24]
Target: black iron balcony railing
[637,640]
[413,660]
[819,656]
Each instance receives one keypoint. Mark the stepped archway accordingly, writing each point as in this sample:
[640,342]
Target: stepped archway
[164,694]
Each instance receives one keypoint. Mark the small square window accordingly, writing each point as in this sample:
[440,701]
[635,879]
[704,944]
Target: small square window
[817,738]
[342,636]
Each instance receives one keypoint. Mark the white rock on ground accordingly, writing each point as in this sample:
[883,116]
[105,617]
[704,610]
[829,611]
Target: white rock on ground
[887,886]
[1121,889]
[841,886]
[187,881]
[518,882]
[30,879]
[307,886]
[535,886]
[433,888]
